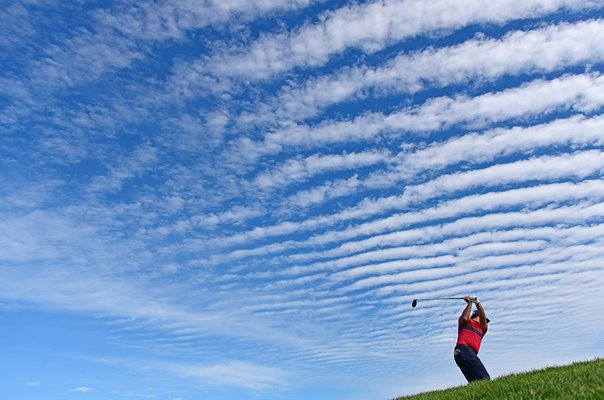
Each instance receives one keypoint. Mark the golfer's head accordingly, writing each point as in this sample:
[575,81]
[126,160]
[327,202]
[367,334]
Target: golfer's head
[476,316]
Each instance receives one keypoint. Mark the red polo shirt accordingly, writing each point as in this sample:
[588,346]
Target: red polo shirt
[471,335]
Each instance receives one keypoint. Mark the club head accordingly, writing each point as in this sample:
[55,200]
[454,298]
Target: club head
[414,303]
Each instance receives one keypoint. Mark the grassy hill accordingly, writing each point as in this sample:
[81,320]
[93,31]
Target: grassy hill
[584,380]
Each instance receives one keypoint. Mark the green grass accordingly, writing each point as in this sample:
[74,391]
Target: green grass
[584,380]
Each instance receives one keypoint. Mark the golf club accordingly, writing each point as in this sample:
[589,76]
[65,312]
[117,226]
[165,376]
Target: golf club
[415,301]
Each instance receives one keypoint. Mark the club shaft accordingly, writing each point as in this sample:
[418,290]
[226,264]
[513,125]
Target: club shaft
[442,298]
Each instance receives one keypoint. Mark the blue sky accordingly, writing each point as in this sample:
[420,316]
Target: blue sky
[239,199]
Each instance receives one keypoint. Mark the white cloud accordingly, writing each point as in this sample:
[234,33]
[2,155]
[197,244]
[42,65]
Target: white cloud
[537,98]
[576,131]
[320,194]
[537,51]
[483,147]
[236,374]
[571,92]
[165,308]
[301,169]
[371,27]
[578,214]
[81,389]
[238,215]
[532,198]
[532,268]
[83,58]
[32,384]
[171,20]
[141,159]
[579,165]
[40,235]
[520,258]
[388,252]
[97,43]
[134,394]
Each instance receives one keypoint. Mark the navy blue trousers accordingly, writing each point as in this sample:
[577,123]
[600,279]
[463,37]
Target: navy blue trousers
[469,364]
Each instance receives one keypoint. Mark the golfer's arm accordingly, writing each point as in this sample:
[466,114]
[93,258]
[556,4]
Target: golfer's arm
[465,315]
[483,317]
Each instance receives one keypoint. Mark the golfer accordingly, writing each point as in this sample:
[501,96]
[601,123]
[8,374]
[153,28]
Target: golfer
[471,330]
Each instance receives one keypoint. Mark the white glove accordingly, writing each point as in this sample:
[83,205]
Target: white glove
[475,300]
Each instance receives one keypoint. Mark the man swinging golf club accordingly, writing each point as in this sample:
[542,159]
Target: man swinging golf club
[471,329]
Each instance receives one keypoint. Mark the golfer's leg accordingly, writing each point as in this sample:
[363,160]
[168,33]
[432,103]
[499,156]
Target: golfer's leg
[476,369]
[462,364]
[466,373]
[470,365]
[480,371]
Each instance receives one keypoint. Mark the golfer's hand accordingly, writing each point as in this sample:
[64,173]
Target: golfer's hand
[469,299]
